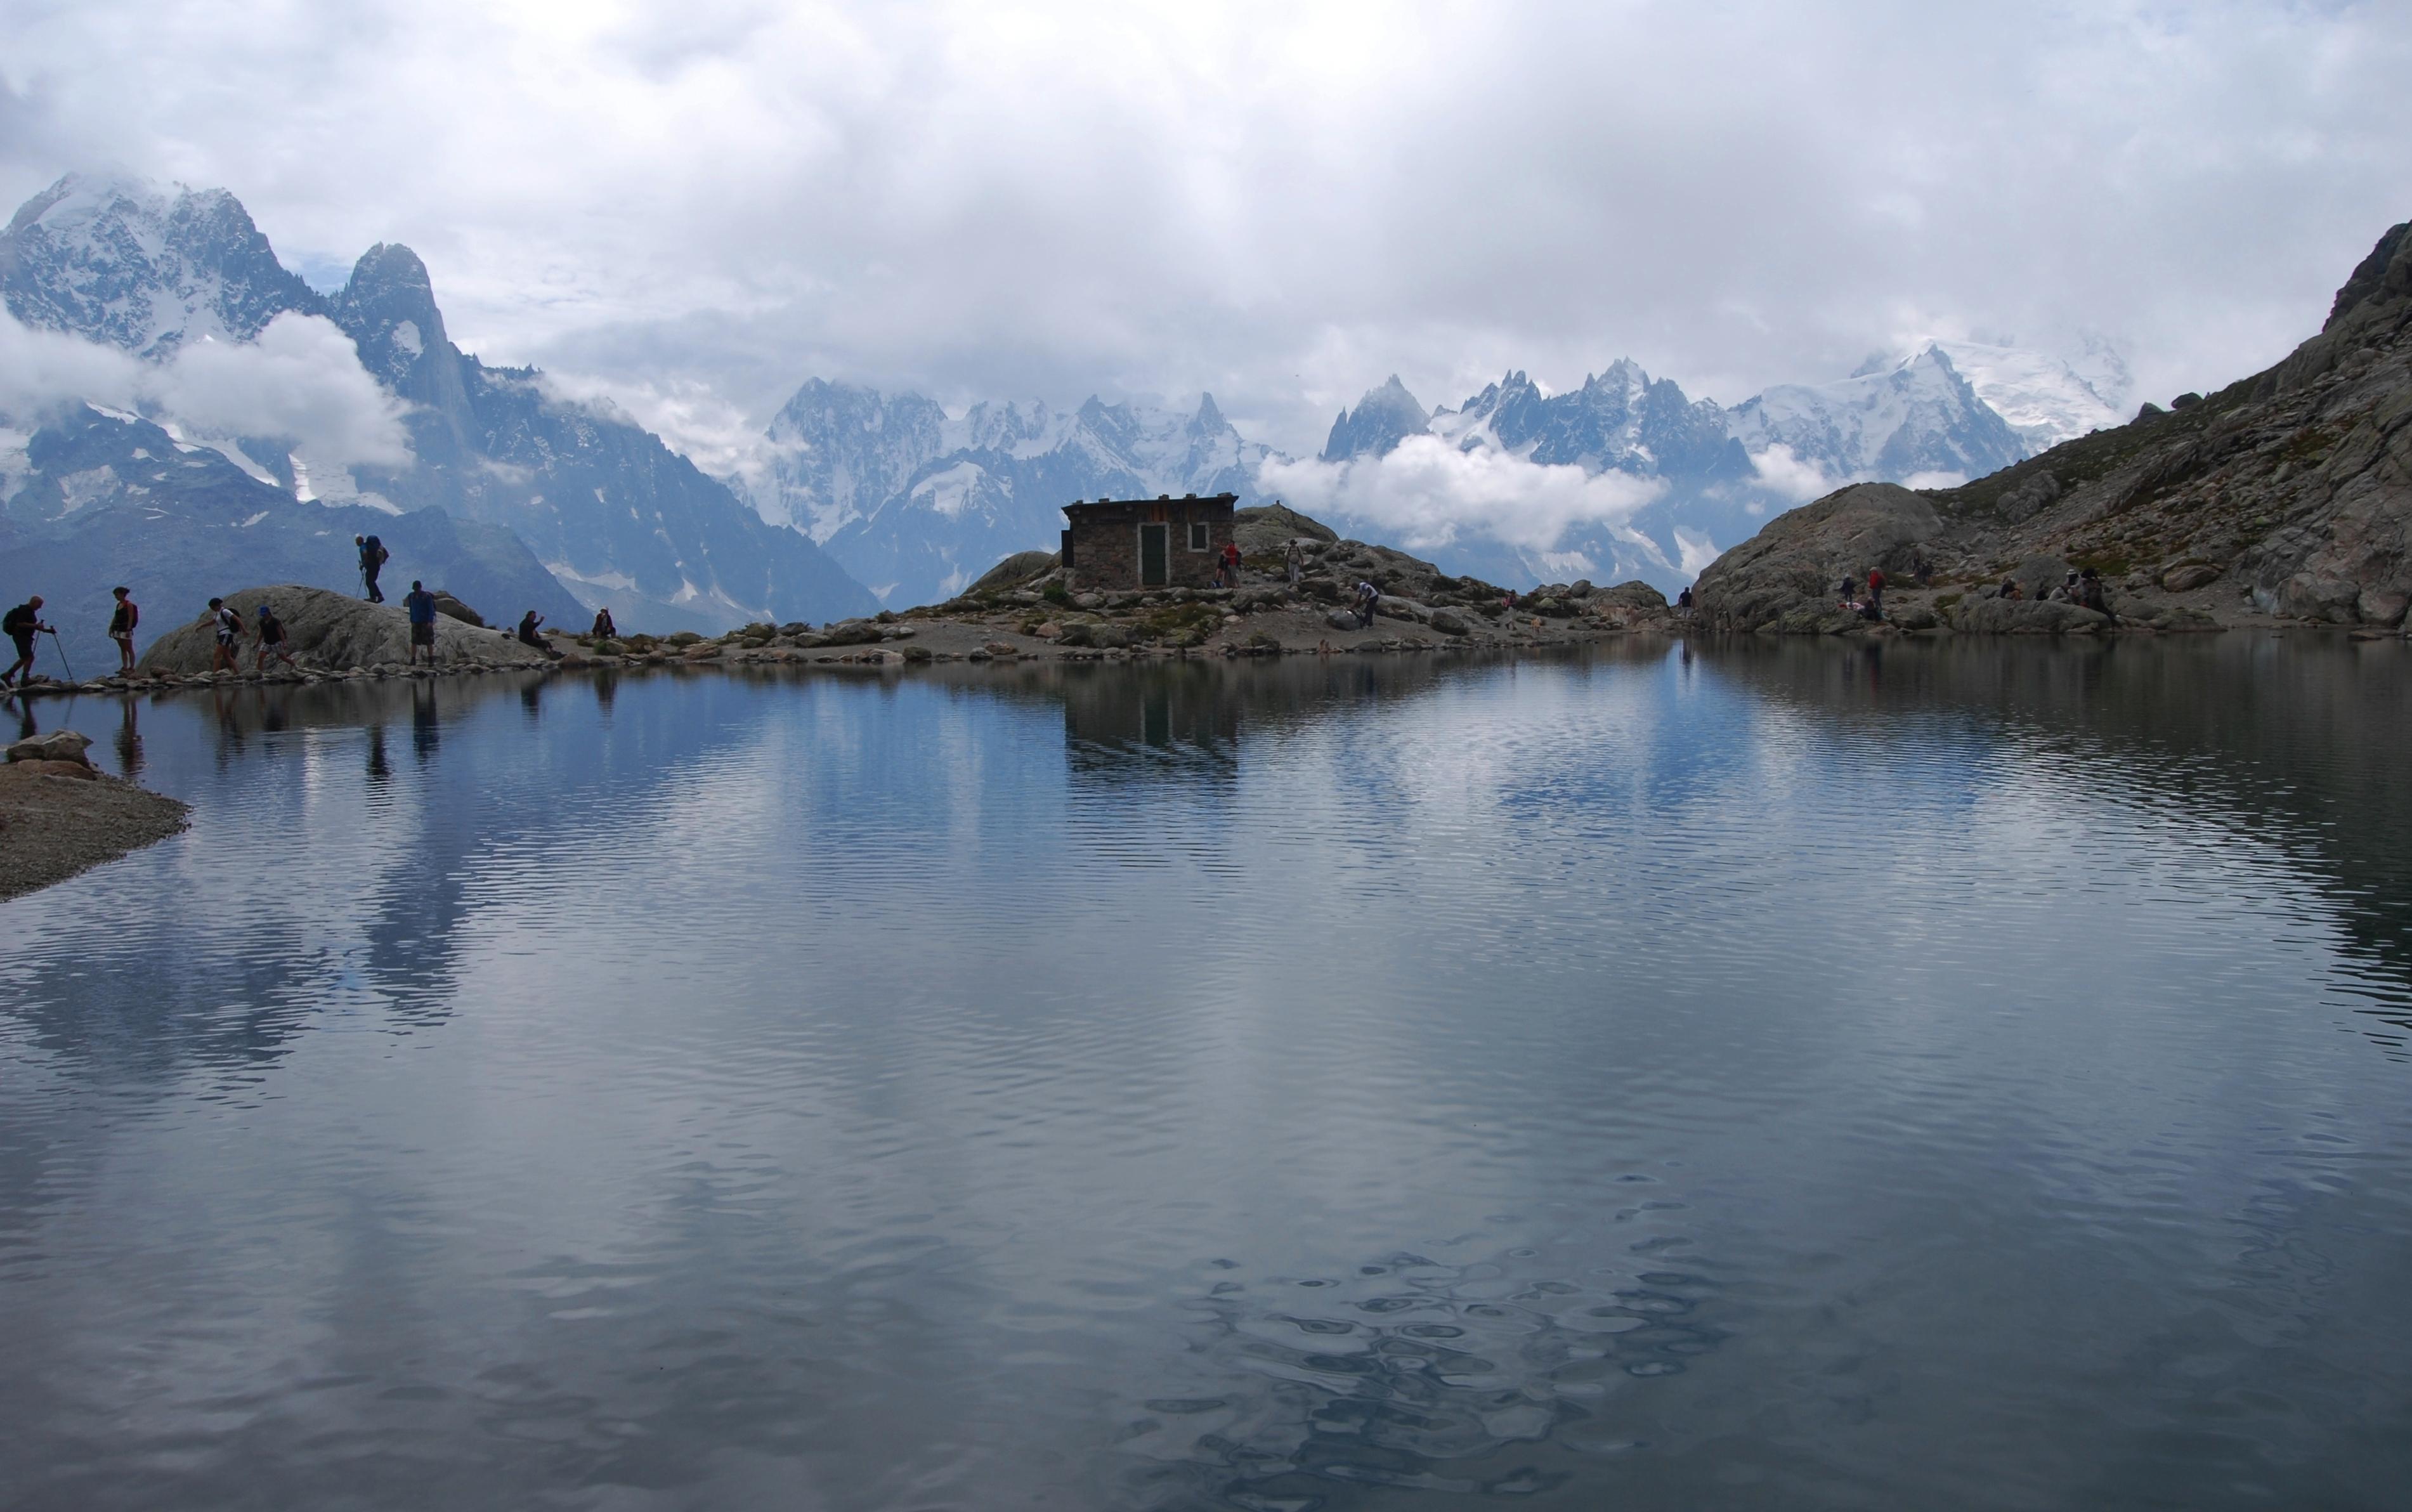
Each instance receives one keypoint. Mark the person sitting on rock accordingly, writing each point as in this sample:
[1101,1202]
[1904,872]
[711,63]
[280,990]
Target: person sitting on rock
[272,643]
[531,636]
[421,606]
[604,629]
[2064,592]
[2010,589]
[22,623]
[122,621]
[226,626]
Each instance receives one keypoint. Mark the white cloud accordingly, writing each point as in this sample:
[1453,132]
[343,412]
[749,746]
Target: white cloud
[42,370]
[301,378]
[1280,203]
[1785,471]
[1427,495]
[300,381]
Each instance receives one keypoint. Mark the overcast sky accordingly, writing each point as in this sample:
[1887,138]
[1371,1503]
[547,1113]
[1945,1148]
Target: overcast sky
[698,205]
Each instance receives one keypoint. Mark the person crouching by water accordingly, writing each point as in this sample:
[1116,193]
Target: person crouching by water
[421,605]
[604,629]
[226,626]
[272,643]
[122,621]
[22,623]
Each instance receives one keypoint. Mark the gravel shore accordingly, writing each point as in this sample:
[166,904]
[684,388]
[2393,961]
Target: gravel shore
[52,827]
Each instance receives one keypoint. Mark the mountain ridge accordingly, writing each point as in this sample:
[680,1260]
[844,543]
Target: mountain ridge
[616,517]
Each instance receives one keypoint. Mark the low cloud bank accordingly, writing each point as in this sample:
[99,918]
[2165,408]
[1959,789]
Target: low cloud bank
[300,381]
[1427,495]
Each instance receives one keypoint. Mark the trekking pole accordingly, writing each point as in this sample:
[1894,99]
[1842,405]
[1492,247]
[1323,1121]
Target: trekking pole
[60,646]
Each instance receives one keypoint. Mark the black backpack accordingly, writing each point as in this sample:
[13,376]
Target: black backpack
[373,553]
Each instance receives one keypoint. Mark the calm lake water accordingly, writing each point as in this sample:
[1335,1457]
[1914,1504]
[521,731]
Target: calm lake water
[1964,1076]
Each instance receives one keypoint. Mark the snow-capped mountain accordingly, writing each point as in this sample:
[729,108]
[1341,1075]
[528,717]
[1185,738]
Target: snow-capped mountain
[1916,422]
[1704,476]
[1383,418]
[142,269]
[614,515]
[2047,400]
[916,503]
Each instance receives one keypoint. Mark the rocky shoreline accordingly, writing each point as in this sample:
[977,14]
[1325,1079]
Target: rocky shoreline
[59,816]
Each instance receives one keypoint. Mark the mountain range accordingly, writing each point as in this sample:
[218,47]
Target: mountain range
[916,503]
[867,498]
[609,515]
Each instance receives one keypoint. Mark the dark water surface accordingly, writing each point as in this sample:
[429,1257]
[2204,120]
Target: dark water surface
[1801,1077]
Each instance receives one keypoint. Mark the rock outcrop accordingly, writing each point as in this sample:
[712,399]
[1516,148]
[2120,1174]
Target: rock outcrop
[1785,578]
[328,631]
[1022,606]
[2287,495]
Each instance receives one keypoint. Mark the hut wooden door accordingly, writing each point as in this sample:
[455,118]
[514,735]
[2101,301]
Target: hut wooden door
[1154,555]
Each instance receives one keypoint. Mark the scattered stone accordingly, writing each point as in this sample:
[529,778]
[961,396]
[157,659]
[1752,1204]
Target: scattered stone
[65,745]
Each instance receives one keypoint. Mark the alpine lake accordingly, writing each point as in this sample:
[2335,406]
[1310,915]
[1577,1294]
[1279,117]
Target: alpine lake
[1970,1075]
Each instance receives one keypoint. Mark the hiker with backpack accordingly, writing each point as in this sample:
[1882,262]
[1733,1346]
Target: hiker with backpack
[227,626]
[272,643]
[373,559]
[122,621]
[22,623]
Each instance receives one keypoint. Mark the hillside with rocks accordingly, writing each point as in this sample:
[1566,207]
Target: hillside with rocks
[1024,608]
[328,633]
[2286,497]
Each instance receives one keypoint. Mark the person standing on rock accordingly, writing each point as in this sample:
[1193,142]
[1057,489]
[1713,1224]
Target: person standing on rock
[122,621]
[272,643]
[1294,559]
[227,626]
[1875,590]
[1367,596]
[22,623]
[421,605]
[1231,564]
[373,559]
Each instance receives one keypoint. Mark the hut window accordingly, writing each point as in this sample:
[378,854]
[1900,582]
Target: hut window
[1198,539]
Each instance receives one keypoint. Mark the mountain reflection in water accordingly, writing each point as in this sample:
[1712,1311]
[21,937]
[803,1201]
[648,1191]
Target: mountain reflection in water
[1744,1076]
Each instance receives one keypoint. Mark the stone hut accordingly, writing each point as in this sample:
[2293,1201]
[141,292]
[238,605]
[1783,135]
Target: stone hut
[1162,542]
